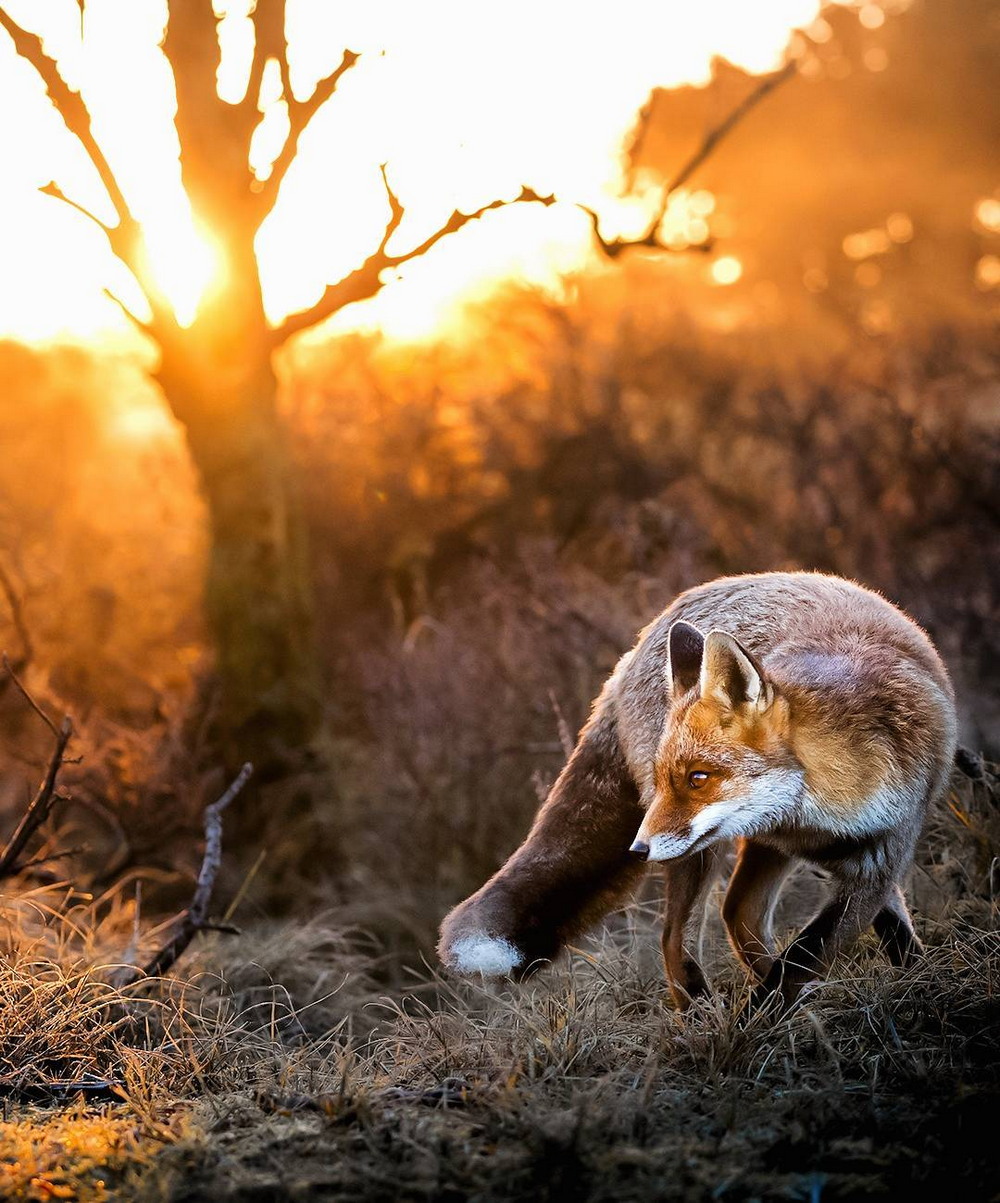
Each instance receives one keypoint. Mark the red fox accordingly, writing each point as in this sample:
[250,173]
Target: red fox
[797,714]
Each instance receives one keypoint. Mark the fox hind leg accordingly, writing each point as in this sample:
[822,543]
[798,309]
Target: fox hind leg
[850,910]
[894,928]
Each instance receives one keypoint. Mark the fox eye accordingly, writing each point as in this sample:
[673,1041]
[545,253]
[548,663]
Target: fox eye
[697,779]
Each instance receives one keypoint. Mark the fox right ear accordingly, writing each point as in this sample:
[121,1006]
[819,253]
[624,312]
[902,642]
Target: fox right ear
[685,648]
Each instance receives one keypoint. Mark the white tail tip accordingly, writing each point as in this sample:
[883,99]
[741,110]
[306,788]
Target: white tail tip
[491,956]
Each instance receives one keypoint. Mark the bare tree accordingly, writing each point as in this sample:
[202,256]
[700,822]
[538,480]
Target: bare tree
[217,374]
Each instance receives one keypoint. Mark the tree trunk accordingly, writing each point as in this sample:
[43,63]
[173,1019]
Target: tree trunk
[258,591]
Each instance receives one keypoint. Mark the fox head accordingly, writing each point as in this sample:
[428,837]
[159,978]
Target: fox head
[724,766]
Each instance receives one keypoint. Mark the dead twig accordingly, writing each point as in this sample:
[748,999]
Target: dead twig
[195,918]
[17,618]
[41,804]
[9,669]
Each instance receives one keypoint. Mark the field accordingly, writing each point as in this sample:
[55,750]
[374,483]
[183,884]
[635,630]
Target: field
[319,1054]
[369,376]
[297,1061]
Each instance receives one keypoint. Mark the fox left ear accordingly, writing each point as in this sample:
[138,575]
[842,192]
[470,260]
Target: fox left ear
[685,645]
[731,675]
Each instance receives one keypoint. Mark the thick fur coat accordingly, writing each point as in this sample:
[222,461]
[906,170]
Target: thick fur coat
[798,715]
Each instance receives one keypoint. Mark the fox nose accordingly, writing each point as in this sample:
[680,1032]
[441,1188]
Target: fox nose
[640,848]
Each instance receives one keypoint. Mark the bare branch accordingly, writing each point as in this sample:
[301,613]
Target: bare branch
[651,237]
[300,113]
[198,910]
[365,281]
[203,121]
[396,210]
[27,696]
[53,189]
[195,918]
[70,106]
[268,18]
[140,325]
[712,139]
[20,626]
[457,220]
[41,804]
[637,138]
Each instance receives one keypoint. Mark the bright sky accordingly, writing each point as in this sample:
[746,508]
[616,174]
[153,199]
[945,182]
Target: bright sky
[464,103]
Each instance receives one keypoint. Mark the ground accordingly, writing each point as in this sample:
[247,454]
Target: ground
[298,1061]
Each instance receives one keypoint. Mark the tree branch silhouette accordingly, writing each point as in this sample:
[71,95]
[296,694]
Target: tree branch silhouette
[126,235]
[124,238]
[300,114]
[650,238]
[365,281]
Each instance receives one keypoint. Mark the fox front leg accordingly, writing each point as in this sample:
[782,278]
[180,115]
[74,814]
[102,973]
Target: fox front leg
[748,909]
[686,882]
[573,868]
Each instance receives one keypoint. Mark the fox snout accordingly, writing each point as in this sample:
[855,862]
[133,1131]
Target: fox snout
[661,847]
[662,837]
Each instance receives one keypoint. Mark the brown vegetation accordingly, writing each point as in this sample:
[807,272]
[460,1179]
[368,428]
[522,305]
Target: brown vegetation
[501,534]
[282,1069]
[491,516]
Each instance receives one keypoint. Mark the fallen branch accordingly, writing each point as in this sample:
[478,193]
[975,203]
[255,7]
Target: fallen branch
[195,918]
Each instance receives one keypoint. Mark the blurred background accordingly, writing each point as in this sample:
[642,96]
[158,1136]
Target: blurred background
[521,449]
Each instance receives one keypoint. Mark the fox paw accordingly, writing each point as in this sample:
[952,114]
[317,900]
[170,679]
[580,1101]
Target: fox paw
[688,985]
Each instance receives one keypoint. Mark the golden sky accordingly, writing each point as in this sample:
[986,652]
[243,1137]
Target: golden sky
[463,102]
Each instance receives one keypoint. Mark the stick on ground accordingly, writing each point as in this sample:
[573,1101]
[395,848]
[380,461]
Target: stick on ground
[195,918]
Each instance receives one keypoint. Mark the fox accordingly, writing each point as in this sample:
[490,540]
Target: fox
[787,716]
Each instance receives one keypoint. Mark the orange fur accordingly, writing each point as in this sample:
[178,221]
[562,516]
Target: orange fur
[820,724]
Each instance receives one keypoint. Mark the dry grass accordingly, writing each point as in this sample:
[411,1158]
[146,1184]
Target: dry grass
[294,1061]
[480,575]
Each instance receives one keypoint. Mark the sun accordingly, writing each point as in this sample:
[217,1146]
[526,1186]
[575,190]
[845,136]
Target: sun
[457,116]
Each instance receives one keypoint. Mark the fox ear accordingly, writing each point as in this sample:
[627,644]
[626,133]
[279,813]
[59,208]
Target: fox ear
[731,675]
[685,645]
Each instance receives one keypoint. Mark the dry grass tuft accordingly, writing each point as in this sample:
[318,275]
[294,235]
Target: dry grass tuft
[294,1060]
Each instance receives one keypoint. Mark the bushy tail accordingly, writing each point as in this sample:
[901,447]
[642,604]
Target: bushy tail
[571,870]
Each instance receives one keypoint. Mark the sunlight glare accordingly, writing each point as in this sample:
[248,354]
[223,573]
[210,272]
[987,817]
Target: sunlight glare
[460,113]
